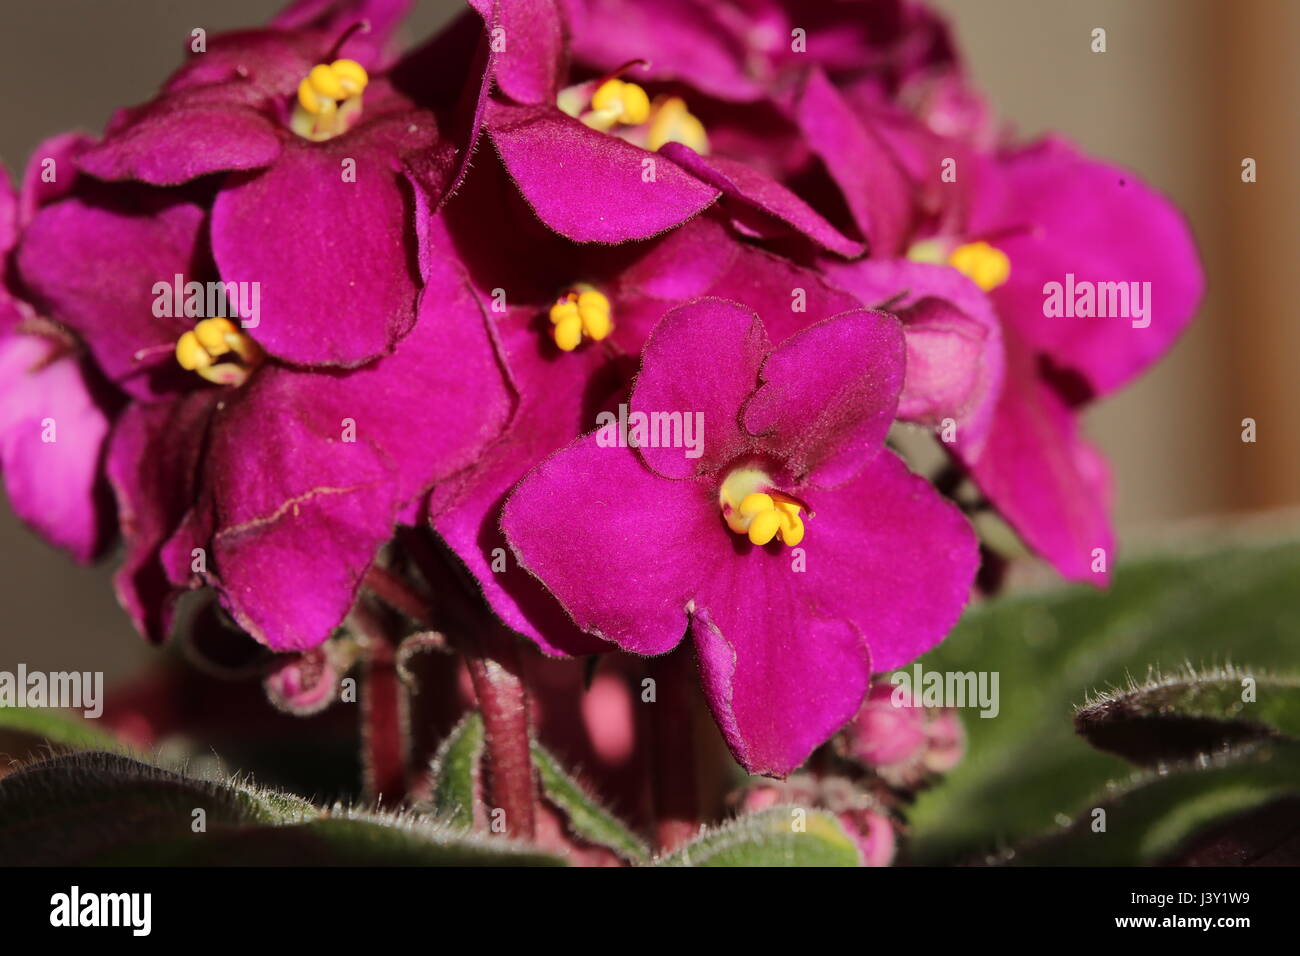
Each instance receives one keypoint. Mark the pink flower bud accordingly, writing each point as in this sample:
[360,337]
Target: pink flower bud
[902,741]
[303,684]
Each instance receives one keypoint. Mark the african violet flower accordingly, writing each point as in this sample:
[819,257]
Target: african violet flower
[533,282]
[1045,214]
[640,544]
[631,166]
[54,409]
[316,148]
[275,483]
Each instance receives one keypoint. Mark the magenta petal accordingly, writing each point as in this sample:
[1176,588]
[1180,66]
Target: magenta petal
[1101,224]
[738,181]
[52,433]
[873,184]
[589,186]
[186,134]
[299,512]
[779,680]
[618,546]
[94,267]
[703,357]
[828,396]
[1041,476]
[528,38]
[43,184]
[954,341]
[153,457]
[333,258]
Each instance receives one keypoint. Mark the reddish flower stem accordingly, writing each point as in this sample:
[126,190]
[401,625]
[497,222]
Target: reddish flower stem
[672,750]
[383,720]
[495,668]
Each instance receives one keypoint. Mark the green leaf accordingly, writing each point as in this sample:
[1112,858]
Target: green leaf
[1026,767]
[455,771]
[27,731]
[1180,717]
[772,837]
[1158,816]
[587,818]
[102,808]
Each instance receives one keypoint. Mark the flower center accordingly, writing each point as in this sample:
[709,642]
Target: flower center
[220,351]
[329,100]
[985,265]
[623,108]
[752,507]
[582,311]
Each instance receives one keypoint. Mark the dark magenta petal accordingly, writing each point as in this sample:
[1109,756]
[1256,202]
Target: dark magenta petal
[299,512]
[620,547]
[333,258]
[589,186]
[52,432]
[828,396]
[873,184]
[183,135]
[682,40]
[703,360]
[94,268]
[1101,224]
[1047,482]
[954,340]
[152,465]
[39,189]
[779,680]
[528,45]
[740,182]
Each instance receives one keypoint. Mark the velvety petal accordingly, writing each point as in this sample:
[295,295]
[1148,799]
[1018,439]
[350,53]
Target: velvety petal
[828,396]
[702,359]
[10,311]
[954,340]
[589,186]
[94,267]
[738,181]
[152,465]
[873,184]
[299,511]
[1101,223]
[186,134]
[334,259]
[529,58]
[620,547]
[52,432]
[43,184]
[1041,476]
[682,40]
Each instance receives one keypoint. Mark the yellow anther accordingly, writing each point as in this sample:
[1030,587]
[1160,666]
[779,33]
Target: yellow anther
[764,527]
[760,515]
[329,99]
[672,122]
[203,350]
[568,333]
[621,102]
[987,266]
[190,354]
[583,311]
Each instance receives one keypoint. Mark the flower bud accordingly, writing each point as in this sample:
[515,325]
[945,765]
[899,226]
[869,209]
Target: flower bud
[303,684]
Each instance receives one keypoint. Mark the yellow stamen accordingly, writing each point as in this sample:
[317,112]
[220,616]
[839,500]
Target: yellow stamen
[622,102]
[582,312]
[987,266]
[329,99]
[760,515]
[203,350]
[672,122]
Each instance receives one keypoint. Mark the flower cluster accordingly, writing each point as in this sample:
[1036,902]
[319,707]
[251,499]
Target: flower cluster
[625,301]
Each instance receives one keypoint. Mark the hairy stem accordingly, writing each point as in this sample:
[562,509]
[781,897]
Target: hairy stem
[496,670]
[672,750]
[383,719]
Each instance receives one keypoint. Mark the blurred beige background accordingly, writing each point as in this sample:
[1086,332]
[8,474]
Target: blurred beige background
[1186,89]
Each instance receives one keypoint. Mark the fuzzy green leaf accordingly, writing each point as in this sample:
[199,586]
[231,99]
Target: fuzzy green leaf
[587,818]
[25,732]
[455,771]
[779,836]
[1025,768]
